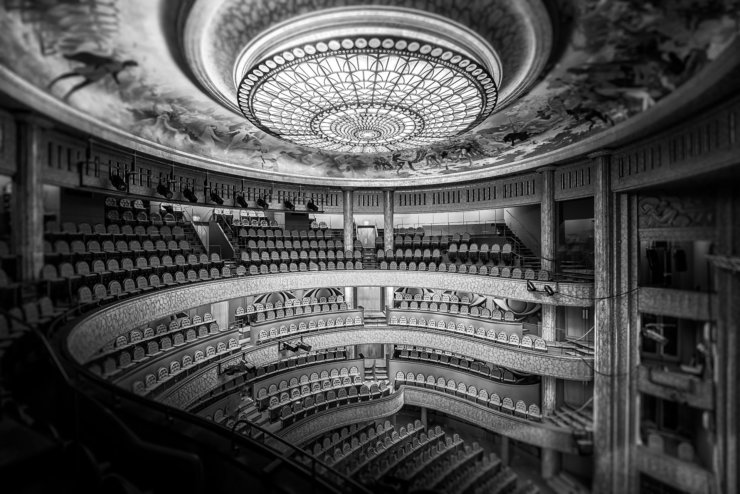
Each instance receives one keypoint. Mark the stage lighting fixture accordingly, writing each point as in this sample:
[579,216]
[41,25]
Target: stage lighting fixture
[288,346]
[240,200]
[216,198]
[190,195]
[530,286]
[311,206]
[304,346]
[168,208]
[119,182]
[262,203]
[549,290]
[164,191]
[289,205]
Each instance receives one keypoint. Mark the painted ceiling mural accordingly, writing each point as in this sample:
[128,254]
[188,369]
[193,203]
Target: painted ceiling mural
[114,61]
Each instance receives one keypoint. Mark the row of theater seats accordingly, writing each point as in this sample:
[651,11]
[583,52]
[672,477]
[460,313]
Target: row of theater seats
[149,343]
[347,437]
[84,231]
[496,271]
[265,371]
[495,254]
[305,405]
[289,303]
[285,256]
[77,249]
[453,308]
[418,238]
[274,333]
[456,469]
[437,297]
[460,362]
[303,267]
[389,454]
[36,313]
[278,394]
[97,295]
[271,315]
[170,373]
[269,245]
[527,342]
[142,218]
[203,324]
[66,280]
[278,234]
[471,393]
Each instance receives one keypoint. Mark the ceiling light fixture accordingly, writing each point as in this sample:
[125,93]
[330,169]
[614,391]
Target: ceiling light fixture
[372,80]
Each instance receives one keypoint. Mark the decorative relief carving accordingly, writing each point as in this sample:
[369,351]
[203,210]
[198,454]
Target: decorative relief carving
[675,211]
[685,476]
[677,303]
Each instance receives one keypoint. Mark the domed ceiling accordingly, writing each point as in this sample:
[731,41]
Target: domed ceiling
[355,93]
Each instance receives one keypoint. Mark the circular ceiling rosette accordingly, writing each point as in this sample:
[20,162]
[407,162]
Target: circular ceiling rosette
[368,94]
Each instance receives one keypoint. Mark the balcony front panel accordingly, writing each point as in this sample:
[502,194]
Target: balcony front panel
[104,325]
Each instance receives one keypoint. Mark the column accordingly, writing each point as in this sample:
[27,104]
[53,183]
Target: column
[349,218]
[388,207]
[613,403]
[550,461]
[349,228]
[27,221]
[725,358]
[504,450]
[424,417]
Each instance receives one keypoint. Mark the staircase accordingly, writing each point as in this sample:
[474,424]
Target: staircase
[375,370]
[232,235]
[369,261]
[524,257]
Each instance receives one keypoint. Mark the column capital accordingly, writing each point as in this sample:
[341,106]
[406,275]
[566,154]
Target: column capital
[32,118]
[601,153]
[548,168]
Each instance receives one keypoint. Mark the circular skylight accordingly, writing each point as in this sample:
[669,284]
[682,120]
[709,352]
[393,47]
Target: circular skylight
[369,91]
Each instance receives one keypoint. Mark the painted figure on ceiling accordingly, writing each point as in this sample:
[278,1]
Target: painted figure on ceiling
[95,68]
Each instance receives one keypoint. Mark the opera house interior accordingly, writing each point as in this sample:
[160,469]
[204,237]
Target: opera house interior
[364,247]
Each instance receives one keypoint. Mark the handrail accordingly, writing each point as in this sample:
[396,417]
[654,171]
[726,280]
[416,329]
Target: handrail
[329,474]
[294,450]
[76,391]
[532,237]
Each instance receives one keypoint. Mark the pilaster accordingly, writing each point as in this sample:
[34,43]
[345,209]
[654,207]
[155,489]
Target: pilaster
[27,222]
[613,402]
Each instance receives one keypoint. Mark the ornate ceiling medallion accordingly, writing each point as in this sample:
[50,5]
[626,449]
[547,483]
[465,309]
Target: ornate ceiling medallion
[373,92]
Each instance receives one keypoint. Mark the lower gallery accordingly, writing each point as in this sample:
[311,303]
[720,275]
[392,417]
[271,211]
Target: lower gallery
[369,247]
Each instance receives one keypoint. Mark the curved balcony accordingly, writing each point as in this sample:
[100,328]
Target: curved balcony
[535,433]
[558,365]
[106,324]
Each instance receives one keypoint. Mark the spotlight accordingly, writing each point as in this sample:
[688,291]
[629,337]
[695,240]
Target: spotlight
[289,205]
[119,182]
[549,291]
[168,208]
[164,191]
[311,206]
[240,200]
[530,286]
[655,336]
[304,346]
[261,203]
[216,198]
[288,346]
[190,195]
